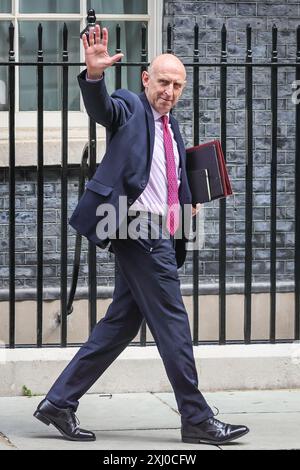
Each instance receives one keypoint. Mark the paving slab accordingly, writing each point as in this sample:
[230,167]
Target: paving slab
[259,401]
[127,411]
[150,421]
[164,439]
[272,431]
[273,416]
[120,421]
[108,412]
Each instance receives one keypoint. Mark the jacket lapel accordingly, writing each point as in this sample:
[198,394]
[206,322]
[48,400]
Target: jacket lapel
[184,191]
[151,124]
[178,138]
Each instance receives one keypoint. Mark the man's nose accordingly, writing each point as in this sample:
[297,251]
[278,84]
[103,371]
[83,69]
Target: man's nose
[169,89]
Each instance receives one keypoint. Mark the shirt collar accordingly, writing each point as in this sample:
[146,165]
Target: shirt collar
[157,115]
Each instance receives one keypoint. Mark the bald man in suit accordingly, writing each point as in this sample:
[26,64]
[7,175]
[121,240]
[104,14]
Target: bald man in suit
[144,162]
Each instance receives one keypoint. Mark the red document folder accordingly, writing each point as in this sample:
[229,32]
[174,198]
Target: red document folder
[207,173]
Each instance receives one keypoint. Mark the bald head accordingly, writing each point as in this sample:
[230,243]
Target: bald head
[166,62]
[164,82]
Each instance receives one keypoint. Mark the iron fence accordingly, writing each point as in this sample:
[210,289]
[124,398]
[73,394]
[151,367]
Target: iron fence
[88,167]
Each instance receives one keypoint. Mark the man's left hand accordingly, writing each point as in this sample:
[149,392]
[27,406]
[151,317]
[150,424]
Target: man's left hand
[196,209]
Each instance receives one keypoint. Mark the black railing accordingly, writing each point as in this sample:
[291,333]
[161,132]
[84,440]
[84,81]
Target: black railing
[297,202]
[90,154]
[249,188]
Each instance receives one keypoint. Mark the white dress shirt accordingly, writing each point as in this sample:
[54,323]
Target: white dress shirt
[154,198]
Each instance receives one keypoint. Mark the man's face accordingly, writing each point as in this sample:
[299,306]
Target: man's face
[163,87]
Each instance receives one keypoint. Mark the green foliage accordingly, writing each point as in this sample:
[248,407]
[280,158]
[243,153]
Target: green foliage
[27,392]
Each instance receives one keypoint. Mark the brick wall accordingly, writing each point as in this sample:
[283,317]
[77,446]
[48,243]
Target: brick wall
[210,16]
[26,244]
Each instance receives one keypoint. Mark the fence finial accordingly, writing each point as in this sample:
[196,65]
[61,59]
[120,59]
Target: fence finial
[274,43]
[169,39]
[65,37]
[90,22]
[143,43]
[249,46]
[11,34]
[91,17]
[224,43]
[40,39]
[196,39]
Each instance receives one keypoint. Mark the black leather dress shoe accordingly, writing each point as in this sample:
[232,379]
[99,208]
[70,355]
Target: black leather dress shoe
[64,419]
[211,431]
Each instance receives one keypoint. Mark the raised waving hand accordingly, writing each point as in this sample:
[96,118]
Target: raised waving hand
[97,58]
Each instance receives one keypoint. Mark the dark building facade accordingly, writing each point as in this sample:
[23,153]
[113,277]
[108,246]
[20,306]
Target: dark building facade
[210,16]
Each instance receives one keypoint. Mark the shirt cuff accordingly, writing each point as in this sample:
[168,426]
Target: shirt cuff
[93,79]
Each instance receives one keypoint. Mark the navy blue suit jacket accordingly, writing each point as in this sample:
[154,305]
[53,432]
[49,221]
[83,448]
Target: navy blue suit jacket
[125,167]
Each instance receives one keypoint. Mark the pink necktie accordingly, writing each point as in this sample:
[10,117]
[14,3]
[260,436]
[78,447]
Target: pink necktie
[173,201]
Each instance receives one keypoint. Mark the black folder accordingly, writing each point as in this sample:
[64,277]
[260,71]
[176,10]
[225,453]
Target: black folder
[207,173]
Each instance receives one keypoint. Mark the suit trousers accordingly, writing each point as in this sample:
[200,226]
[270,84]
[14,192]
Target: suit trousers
[146,286]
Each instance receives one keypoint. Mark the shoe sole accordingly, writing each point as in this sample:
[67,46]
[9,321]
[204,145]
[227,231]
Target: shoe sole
[48,421]
[196,440]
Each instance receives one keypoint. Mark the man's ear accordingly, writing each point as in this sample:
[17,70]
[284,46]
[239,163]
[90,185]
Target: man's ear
[145,78]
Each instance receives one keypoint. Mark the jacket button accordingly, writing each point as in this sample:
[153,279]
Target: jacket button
[129,202]
[143,184]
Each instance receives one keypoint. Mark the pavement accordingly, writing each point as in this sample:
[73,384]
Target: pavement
[134,421]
